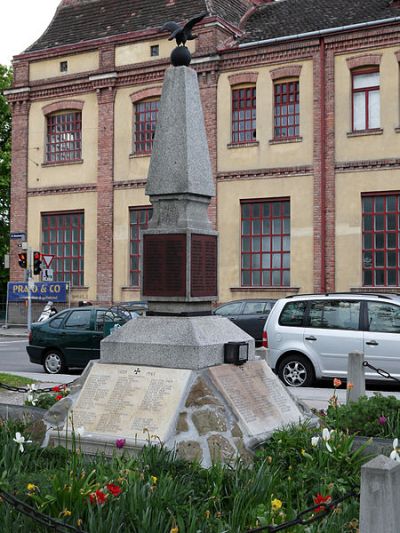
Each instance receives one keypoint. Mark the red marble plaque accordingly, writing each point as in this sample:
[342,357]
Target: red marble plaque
[164,265]
[203,269]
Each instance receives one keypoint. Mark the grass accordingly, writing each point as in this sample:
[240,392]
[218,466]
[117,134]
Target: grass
[15,381]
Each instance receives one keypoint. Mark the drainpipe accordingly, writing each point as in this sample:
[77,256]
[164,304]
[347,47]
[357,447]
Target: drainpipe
[323,140]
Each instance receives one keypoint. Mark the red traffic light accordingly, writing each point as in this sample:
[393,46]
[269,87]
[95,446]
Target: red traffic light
[22,259]
[37,261]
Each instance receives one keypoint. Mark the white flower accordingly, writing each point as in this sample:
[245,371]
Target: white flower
[314,441]
[32,387]
[80,431]
[394,454]
[31,399]
[19,439]
[326,435]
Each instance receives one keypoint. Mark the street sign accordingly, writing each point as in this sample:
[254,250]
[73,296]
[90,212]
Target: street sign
[47,259]
[56,291]
[47,274]
[18,235]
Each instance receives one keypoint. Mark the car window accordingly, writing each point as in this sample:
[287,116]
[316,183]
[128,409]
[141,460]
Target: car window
[229,309]
[293,314]
[79,319]
[383,317]
[56,322]
[334,314]
[253,308]
[100,319]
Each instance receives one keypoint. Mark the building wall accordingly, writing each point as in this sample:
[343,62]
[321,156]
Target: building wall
[139,52]
[350,186]
[299,190]
[41,174]
[324,172]
[384,144]
[265,153]
[86,202]
[123,200]
[77,63]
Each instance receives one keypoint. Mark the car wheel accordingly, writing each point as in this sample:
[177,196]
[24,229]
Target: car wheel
[54,362]
[296,370]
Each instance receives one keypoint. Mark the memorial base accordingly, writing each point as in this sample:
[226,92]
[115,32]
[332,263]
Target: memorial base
[215,414]
[173,342]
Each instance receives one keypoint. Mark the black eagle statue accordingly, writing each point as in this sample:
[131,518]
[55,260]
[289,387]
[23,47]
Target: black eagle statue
[183,33]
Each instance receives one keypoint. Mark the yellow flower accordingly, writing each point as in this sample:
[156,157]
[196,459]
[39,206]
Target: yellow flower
[303,451]
[174,530]
[269,459]
[276,504]
[79,522]
[207,514]
[153,480]
[31,487]
[65,512]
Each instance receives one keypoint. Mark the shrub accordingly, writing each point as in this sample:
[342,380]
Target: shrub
[375,416]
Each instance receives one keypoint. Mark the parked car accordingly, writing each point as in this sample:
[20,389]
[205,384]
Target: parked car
[249,315]
[309,337]
[72,337]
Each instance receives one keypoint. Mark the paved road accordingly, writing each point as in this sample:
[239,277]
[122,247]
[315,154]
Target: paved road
[14,360]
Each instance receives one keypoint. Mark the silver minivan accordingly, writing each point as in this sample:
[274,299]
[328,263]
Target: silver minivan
[309,337]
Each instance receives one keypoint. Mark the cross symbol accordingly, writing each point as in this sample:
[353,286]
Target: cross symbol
[137,371]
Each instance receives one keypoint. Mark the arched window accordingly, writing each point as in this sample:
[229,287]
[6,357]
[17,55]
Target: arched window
[366,99]
[145,112]
[145,120]
[63,131]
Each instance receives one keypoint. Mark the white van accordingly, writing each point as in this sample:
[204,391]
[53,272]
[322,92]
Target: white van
[309,337]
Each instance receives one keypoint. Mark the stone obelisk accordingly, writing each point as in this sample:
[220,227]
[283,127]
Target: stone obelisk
[179,266]
[180,246]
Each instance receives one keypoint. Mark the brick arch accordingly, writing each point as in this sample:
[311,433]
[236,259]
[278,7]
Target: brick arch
[62,106]
[291,71]
[243,77]
[364,61]
[145,93]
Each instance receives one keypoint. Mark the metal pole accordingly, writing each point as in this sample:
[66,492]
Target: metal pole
[30,283]
[6,317]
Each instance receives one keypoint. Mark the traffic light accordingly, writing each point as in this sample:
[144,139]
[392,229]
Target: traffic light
[37,262]
[22,259]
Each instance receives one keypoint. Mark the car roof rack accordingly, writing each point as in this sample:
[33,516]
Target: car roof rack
[385,296]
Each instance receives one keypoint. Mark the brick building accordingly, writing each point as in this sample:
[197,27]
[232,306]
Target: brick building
[301,102]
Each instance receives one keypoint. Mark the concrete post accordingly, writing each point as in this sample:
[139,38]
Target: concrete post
[355,376]
[380,496]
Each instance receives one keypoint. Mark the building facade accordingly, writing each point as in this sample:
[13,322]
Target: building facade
[301,100]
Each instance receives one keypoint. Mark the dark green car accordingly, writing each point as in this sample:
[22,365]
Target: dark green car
[72,337]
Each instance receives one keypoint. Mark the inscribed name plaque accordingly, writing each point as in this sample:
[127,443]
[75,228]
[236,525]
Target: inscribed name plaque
[203,265]
[124,400]
[256,395]
[164,265]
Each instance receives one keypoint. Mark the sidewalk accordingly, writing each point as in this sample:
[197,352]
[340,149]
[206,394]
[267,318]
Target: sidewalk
[13,331]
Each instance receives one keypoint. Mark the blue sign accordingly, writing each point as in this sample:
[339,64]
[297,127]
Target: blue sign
[18,235]
[54,291]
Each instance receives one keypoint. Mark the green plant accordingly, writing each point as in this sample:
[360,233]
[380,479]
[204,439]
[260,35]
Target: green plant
[375,416]
[155,491]
[45,400]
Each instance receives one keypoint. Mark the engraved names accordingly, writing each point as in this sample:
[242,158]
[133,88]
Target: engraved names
[119,400]
[256,395]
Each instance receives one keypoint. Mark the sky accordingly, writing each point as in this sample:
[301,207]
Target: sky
[23,23]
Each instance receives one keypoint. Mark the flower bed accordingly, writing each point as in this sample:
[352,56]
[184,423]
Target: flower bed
[298,468]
